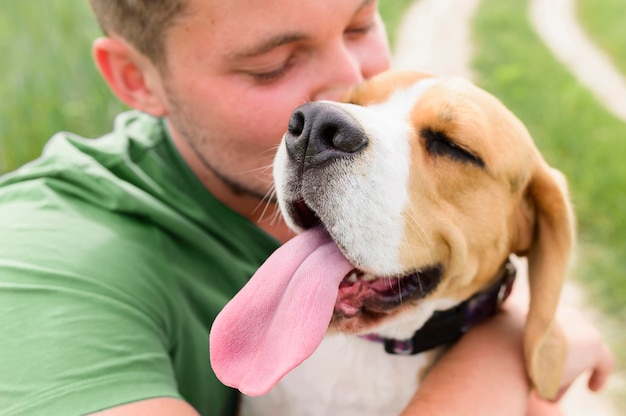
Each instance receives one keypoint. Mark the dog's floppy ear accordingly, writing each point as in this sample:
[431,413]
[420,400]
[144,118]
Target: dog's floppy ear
[553,235]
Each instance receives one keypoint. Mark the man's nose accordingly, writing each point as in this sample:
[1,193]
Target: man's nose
[320,132]
[340,71]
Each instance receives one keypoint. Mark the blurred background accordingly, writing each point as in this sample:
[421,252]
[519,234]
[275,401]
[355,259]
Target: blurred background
[48,83]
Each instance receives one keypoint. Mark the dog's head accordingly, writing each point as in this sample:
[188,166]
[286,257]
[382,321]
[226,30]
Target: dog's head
[427,185]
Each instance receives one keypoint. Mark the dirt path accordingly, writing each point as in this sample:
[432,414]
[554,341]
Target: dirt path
[555,21]
[426,42]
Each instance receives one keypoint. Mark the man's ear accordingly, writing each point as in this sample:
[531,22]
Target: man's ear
[132,77]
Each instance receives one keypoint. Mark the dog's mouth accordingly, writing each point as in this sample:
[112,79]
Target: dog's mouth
[302,215]
[361,292]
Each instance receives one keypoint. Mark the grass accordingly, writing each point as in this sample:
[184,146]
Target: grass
[576,135]
[47,80]
[603,20]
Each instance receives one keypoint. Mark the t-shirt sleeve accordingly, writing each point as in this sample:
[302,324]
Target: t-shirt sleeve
[83,314]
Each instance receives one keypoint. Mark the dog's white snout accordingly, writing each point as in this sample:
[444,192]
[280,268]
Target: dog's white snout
[319,132]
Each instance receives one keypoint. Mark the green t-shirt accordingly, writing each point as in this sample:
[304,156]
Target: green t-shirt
[114,261]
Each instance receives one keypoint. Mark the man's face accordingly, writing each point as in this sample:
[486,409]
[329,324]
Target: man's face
[236,70]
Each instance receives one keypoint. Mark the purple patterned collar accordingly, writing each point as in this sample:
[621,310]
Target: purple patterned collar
[445,327]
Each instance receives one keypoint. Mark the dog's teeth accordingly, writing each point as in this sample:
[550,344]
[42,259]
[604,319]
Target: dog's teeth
[368,276]
[353,278]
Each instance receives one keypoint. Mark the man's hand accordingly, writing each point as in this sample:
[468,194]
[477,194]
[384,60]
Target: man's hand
[587,352]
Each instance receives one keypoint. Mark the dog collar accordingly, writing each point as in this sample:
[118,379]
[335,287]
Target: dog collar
[445,327]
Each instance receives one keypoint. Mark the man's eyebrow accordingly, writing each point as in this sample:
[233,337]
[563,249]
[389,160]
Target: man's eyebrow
[266,45]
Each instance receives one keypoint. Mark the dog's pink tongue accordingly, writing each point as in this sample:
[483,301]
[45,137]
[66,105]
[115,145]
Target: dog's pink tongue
[280,317]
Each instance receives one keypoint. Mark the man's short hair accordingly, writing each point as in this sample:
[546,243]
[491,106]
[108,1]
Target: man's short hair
[144,24]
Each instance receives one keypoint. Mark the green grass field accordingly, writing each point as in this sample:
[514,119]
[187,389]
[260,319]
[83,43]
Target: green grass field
[603,20]
[47,80]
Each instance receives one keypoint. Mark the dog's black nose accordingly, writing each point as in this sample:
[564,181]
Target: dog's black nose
[319,132]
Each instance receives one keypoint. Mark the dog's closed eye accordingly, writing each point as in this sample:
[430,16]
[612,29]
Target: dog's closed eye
[439,144]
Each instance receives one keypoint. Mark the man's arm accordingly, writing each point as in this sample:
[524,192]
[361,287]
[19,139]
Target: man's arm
[485,370]
[160,406]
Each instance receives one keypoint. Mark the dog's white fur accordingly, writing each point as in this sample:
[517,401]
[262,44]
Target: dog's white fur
[393,185]
[345,376]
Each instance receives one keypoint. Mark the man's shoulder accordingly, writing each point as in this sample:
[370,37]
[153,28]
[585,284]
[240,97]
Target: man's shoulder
[133,134]
[91,182]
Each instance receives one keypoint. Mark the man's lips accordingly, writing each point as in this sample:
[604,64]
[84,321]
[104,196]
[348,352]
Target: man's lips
[363,292]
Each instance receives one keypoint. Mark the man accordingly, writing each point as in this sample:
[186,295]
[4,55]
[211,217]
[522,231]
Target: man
[117,254]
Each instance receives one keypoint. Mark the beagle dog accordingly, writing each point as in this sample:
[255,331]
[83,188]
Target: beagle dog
[409,198]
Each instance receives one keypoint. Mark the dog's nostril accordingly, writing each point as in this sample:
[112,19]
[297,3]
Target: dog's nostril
[341,136]
[296,123]
[328,135]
